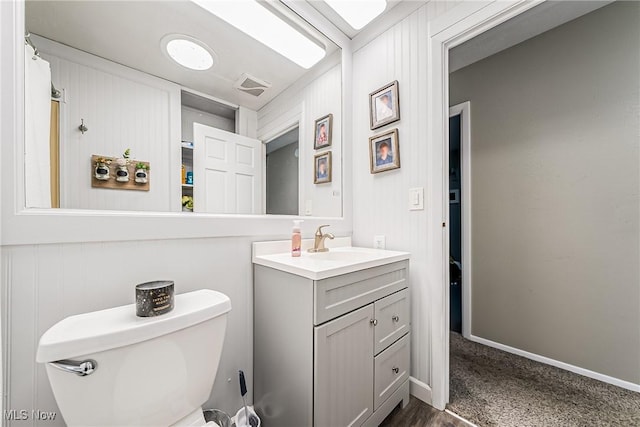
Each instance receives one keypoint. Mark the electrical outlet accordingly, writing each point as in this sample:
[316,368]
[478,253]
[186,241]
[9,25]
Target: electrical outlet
[379,242]
[308,207]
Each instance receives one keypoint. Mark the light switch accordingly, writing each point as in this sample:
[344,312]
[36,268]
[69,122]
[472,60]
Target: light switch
[379,242]
[416,199]
[308,207]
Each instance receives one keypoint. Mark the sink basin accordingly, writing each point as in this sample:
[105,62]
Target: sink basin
[321,265]
[344,255]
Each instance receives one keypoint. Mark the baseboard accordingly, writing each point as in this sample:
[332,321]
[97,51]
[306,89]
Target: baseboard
[562,365]
[464,420]
[420,390]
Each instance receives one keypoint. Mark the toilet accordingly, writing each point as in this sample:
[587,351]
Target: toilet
[112,368]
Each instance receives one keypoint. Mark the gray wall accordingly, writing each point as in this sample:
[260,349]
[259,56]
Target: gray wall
[282,181]
[555,192]
[191,116]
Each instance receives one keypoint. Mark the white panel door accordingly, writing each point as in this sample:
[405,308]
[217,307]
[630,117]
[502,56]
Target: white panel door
[227,172]
[343,370]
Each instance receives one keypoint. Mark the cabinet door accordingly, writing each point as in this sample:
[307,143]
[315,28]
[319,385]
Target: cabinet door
[343,370]
[392,314]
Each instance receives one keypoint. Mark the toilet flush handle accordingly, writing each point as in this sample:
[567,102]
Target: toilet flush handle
[83,368]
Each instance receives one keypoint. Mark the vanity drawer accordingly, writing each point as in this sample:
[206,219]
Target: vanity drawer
[391,370]
[338,295]
[392,316]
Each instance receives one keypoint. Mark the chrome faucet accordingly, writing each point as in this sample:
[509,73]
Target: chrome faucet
[318,243]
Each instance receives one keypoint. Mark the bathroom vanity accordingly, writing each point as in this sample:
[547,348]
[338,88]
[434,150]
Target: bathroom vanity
[331,334]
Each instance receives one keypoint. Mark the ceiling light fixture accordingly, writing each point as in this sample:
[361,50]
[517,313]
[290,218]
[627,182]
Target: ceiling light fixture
[189,52]
[257,21]
[358,13]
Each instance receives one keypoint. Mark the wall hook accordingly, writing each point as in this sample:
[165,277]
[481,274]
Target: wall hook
[82,127]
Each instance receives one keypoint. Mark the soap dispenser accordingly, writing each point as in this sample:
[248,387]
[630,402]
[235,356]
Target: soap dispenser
[296,239]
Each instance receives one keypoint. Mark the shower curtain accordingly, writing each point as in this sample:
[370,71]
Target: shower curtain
[37,113]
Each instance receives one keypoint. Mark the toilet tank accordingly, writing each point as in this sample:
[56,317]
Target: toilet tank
[150,371]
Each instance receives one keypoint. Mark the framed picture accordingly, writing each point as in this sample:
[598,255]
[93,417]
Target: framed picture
[384,151]
[384,105]
[322,132]
[322,168]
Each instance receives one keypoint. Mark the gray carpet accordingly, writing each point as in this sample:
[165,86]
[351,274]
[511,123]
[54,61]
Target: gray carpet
[490,387]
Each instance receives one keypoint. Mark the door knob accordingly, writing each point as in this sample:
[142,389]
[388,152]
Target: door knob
[395,318]
[374,322]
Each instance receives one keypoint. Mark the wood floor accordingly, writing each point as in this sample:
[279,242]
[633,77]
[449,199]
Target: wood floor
[419,414]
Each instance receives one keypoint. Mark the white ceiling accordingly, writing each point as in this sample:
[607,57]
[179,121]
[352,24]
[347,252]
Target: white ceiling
[533,22]
[333,17]
[129,33]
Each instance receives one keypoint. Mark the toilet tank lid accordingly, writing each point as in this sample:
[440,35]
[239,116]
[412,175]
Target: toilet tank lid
[102,330]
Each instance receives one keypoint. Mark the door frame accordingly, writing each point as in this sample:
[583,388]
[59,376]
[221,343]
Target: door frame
[284,123]
[465,22]
[464,111]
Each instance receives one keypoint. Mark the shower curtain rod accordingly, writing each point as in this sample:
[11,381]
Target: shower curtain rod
[55,93]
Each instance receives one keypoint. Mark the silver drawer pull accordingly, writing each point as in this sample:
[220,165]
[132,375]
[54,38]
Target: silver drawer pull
[374,322]
[83,368]
[395,318]
[395,369]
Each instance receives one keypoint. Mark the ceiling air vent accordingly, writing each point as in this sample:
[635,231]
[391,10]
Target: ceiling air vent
[251,85]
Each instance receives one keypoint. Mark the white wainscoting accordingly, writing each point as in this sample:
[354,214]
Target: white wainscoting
[319,97]
[420,390]
[42,284]
[122,108]
[380,202]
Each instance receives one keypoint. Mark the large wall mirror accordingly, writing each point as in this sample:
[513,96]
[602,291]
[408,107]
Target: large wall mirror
[221,107]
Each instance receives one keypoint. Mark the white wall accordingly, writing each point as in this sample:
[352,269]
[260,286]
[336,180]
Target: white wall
[122,108]
[380,202]
[555,192]
[45,283]
[306,104]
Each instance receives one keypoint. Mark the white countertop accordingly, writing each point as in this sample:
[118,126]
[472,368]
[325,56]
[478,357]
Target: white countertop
[341,258]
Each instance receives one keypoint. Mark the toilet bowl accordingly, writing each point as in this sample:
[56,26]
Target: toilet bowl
[111,368]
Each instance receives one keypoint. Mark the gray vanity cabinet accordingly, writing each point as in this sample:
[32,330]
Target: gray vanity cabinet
[331,352]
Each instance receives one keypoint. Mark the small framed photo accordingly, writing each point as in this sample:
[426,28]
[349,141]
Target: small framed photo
[322,132]
[384,105]
[384,151]
[322,168]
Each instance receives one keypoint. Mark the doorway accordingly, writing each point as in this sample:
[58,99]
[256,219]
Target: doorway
[282,171]
[561,167]
[459,168]
[455,226]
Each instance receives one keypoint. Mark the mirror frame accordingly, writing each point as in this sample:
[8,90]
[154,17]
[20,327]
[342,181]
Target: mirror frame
[21,225]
